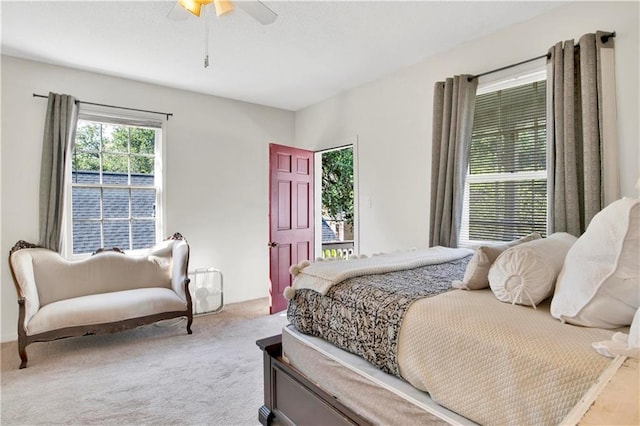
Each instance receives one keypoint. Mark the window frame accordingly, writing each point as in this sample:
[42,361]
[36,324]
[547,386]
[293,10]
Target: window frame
[502,82]
[101,115]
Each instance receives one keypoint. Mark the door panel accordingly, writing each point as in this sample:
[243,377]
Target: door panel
[302,252]
[303,166]
[290,216]
[284,206]
[284,263]
[303,205]
[284,162]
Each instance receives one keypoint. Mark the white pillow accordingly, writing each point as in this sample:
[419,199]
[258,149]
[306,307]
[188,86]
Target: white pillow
[476,276]
[622,344]
[599,285]
[526,274]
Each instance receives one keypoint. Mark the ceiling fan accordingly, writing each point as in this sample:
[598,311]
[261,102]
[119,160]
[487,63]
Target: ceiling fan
[254,8]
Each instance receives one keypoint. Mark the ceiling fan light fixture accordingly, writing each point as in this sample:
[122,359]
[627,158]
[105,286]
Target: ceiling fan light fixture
[194,6]
[223,6]
[191,5]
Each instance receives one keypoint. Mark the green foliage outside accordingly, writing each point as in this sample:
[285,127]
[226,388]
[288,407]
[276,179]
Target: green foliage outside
[117,144]
[337,185]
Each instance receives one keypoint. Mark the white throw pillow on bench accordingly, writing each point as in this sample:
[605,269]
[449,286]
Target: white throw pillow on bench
[599,285]
[526,274]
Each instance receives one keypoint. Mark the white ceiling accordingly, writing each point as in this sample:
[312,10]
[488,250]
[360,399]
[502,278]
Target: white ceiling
[314,50]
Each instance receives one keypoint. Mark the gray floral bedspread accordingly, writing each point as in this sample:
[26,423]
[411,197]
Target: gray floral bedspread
[363,315]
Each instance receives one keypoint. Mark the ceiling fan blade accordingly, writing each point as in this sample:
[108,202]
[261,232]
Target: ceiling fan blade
[178,13]
[258,11]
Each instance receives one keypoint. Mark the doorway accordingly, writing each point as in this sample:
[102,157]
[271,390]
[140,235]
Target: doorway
[297,214]
[291,217]
[336,202]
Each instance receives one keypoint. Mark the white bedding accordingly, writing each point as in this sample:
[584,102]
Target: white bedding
[497,363]
[321,276]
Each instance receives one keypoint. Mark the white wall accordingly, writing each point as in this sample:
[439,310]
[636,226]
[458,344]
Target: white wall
[392,116]
[216,169]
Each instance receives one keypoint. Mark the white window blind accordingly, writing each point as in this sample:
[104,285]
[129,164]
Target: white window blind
[506,189]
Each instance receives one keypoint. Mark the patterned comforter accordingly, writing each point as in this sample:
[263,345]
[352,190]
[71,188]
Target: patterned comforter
[363,314]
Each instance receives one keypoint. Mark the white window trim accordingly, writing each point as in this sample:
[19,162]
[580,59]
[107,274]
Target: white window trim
[96,113]
[515,78]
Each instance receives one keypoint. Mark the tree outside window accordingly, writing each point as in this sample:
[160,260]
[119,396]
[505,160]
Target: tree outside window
[337,189]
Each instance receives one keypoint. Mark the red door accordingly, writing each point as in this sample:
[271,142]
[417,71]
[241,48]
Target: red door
[290,216]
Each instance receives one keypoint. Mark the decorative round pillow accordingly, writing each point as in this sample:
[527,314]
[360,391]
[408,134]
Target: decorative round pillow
[526,274]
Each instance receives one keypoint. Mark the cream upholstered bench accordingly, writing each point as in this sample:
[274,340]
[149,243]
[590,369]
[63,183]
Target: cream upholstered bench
[107,292]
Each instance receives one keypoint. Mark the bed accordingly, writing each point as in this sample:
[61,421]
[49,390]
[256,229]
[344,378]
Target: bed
[357,352]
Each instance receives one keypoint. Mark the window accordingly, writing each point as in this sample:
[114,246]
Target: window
[115,184]
[506,185]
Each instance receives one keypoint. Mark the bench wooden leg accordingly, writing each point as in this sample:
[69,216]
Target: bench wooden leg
[22,333]
[22,350]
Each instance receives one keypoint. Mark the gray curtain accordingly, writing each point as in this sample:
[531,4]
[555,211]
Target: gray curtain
[453,107]
[59,134]
[581,131]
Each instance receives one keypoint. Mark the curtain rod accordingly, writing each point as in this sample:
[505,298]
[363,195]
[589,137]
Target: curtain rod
[167,114]
[604,38]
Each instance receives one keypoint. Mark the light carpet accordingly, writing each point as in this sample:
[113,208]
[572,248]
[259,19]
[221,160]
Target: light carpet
[157,374]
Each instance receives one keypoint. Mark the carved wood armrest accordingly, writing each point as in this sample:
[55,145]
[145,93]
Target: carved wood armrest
[22,244]
[176,236]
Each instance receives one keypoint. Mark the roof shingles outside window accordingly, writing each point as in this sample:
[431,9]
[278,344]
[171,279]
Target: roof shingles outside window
[86,205]
[328,236]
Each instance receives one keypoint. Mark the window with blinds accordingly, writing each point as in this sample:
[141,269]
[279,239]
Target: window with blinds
[506,185]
